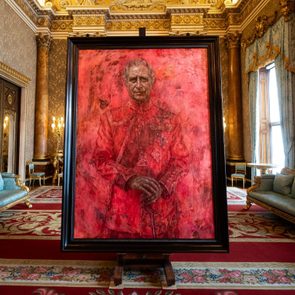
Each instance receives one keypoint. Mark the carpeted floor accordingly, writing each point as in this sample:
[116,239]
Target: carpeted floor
[261,258]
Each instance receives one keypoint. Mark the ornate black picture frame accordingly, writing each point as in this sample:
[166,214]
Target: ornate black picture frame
[182,207]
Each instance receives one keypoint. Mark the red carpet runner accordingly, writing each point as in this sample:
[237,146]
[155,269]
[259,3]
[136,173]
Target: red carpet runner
[261,258]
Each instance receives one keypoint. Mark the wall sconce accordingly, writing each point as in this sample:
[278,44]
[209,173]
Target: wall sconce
[57,127]
[6,122]
[224,123]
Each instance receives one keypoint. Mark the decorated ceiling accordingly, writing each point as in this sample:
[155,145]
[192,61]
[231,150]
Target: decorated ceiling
[214,5]
[63,18]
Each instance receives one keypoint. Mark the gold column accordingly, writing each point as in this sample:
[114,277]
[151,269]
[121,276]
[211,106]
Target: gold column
[234,124]
[41,110]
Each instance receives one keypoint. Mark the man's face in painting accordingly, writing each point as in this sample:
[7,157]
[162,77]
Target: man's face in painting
[139,83]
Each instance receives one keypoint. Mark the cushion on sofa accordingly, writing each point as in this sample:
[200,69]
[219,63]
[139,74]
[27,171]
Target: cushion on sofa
[282,184]
[1,182]
[266,183]
[9,184]
[10,196]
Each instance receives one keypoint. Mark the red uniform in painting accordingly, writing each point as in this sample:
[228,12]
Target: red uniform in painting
[140,139]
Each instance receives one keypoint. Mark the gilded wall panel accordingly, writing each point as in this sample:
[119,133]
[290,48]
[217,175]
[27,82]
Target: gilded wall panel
[88,20]
[224,79]
[133,6]
[245,106]
[134,25]
[61,26]
[215,23]
[57,84]
[16,35]
[186,19]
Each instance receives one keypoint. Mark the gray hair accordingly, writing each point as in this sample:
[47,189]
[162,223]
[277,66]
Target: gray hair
[138,62]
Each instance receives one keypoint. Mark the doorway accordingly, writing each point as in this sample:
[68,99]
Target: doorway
[9,127]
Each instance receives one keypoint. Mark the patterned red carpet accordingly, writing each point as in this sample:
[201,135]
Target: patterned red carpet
[261,258]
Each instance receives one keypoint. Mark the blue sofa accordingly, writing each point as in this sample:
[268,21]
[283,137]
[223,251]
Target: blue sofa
[12,191]
[275,193]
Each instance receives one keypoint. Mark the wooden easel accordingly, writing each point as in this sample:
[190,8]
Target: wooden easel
[143,262]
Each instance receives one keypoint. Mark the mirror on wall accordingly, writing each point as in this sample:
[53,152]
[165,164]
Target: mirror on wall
[8,143]
[9,128]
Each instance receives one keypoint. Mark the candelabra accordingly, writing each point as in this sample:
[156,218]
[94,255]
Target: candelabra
[57,128]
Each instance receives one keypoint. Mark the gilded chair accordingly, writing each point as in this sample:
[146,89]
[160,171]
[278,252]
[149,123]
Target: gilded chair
[57,163]
[59,176]
[240,173]
[35,175]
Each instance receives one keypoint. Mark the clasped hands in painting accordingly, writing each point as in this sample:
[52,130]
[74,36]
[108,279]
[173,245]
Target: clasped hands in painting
[151,189]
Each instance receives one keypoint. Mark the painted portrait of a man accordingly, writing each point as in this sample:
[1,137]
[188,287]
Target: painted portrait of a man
[143,145]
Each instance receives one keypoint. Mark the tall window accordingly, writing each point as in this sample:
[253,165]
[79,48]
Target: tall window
[269,131]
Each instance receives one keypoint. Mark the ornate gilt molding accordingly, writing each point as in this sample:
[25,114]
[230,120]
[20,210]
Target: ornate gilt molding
[187,19]
[9,72]
[217,6]
[186,33]
[134,25]
[138,6]
[62,26]
[88,20]
[214,23]
[233,19]
[250,7]
[29,10]
[287,8]
[233,40]
[262,24]
[43,40]
[64,17]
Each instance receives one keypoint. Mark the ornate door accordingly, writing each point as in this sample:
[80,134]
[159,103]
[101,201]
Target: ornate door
[9,127]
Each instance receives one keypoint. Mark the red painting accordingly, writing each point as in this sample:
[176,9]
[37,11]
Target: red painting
[143,145]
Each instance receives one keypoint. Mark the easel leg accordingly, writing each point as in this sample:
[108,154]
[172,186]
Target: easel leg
[118,274]
[143,262]
[170,276]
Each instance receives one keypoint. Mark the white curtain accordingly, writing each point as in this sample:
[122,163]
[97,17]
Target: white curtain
[277,44]
[253,77]
[286,81]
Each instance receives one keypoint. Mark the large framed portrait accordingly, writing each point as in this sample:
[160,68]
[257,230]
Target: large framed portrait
[144,154]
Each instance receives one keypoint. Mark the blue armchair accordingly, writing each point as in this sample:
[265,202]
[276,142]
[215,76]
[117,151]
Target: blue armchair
[12,191]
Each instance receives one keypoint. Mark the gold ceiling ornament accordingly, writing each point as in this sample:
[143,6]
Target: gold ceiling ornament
[287,8]
[64,17]
[63,4]
[48,3]
[217,7]
[263,22]
[219,4]
[138,6]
